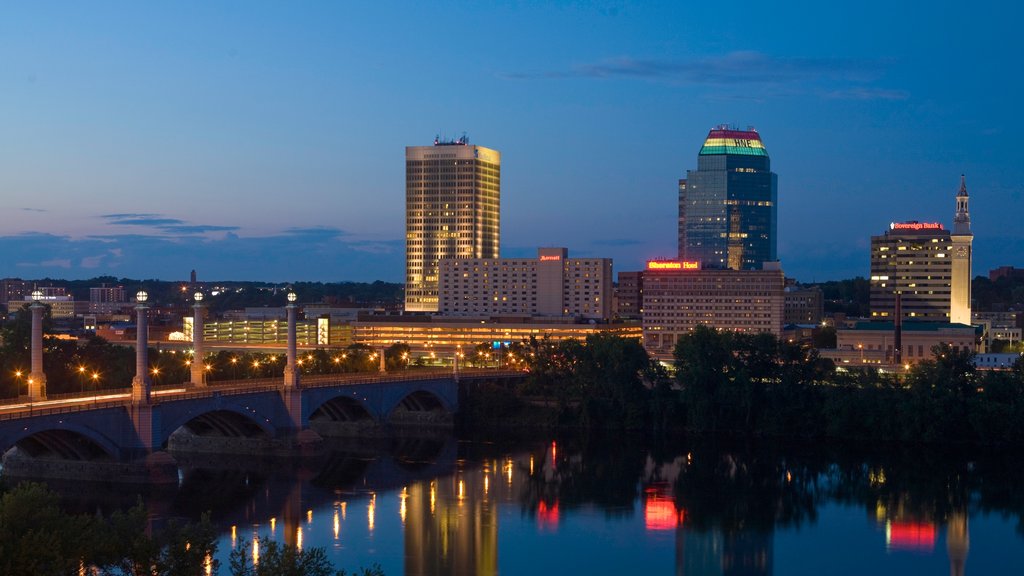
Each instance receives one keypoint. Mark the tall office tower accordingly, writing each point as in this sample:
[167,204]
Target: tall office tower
[960,285]
[912,259]
[452,210]
[728,206]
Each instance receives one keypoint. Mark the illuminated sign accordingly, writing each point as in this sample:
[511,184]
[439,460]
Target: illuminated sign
[915,226]
[672,265]
[552,258]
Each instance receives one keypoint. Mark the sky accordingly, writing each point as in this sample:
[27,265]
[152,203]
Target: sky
[257,140]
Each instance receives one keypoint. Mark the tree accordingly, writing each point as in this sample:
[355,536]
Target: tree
[278,560]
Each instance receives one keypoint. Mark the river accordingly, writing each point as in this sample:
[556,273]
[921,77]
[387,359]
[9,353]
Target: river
[610,505]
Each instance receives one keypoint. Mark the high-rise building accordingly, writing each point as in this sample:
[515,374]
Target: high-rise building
[929,267]
[728,205]
[452,210]
[912,259]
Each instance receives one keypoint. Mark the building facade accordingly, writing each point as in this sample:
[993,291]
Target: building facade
[679,295]
[629,295]
[728,205]
[873,343]
[550,285]
[452,210]
[913,260]
[105,299]
[804,305]
[440,338]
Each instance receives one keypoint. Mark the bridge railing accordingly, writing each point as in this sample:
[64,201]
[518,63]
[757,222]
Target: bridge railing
[32,410]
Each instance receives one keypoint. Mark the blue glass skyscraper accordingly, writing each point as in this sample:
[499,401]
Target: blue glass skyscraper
[728,206]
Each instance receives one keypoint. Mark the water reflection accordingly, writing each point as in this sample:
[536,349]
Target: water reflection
[432,506]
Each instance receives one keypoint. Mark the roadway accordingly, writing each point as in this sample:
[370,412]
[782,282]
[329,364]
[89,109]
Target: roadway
[14,408]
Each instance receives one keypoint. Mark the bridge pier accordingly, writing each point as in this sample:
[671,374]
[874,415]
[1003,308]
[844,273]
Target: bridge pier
[198,368]
[140,383]
[291,372]
[37,378]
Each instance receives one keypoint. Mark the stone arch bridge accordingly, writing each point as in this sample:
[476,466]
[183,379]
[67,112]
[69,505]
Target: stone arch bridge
[115,427]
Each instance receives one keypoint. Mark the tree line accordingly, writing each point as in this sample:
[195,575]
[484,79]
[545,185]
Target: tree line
[736,384]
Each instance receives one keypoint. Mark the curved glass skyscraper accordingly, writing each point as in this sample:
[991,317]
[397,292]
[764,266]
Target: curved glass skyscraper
[728,205]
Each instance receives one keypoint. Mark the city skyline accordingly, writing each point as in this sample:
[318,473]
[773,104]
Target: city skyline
[264,142]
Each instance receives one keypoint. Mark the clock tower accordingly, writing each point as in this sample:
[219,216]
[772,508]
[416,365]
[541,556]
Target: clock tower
[960,285]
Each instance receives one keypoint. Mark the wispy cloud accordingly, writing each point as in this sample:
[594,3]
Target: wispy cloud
[737,69]
[866,93]
[33,210]
[164,224]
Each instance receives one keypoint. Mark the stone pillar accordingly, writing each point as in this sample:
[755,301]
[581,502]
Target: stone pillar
[198,366]
[291,369]
[141,382]
[36,378]
[383,361]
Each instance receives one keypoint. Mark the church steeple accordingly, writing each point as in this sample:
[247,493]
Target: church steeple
[962,220]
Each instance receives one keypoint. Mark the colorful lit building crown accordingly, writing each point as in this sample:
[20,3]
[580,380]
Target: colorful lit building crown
[724,141]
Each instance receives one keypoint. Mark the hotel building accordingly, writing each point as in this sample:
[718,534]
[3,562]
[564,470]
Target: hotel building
[552,284]
[728,205]
[452,210]
[925,264]
[679,295]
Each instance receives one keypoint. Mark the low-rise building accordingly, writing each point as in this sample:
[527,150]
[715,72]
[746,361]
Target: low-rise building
[803,305]
[442,337]
[873,343]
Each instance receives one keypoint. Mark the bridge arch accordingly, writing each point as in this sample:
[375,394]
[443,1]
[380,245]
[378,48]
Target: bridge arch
[224,420]
[418,403]
[341,408]
[64,440]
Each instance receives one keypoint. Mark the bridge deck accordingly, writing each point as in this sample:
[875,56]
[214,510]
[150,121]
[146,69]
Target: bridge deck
[14,408]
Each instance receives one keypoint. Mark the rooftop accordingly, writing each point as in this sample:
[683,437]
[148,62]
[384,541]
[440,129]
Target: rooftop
[724,140]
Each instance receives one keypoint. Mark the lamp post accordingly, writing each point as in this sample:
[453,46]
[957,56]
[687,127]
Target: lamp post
[36,377]
[141,382]
[291,372]
[197,341]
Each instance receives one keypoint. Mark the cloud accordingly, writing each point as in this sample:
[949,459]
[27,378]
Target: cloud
[54,263]
[196,228]
[866,93]
[33,210]
[164,224]
[378,247]
[740,68]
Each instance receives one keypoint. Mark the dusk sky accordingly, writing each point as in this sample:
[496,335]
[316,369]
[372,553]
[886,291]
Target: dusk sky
[265,140]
